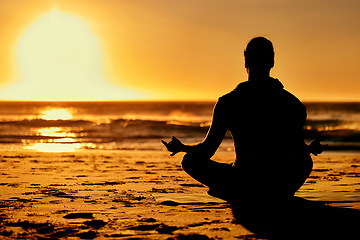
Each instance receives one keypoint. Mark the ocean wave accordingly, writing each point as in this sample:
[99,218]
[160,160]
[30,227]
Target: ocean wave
[44,123]
[105,131]
[144,128]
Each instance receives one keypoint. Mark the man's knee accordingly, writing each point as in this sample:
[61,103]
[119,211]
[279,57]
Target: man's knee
[191,162]
[187,162]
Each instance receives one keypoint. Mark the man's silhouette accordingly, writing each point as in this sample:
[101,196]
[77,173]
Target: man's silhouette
[266,123]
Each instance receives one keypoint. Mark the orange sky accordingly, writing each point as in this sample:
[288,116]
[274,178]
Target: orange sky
[193,49]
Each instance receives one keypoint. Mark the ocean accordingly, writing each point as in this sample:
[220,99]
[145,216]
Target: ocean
[73,126]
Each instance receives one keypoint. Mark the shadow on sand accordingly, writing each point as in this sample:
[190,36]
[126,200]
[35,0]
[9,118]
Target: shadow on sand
[298,219]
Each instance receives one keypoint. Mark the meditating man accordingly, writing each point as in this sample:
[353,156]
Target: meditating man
[266,123]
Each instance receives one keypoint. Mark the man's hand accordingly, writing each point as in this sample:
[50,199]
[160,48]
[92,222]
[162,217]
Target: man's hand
[316,147]
[174,146]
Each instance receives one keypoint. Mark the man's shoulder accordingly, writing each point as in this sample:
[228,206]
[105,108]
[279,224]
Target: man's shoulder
[226,97]
[273,90]
[239,90]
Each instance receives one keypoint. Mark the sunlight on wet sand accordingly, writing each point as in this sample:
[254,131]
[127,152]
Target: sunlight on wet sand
[55,147]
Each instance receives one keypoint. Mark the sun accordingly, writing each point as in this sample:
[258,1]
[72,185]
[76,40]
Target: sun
[60,59]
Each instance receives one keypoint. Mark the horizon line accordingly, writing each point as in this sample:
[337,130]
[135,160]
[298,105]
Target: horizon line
[161,100]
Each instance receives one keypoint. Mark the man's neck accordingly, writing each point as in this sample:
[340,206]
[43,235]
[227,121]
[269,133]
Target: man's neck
[258,75]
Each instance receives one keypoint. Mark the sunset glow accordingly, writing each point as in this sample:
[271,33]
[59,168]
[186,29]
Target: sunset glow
[60,59]
[174,50]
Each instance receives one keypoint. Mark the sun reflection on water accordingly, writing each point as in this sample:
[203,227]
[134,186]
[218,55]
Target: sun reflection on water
[55,139]
[54,132]
[56,114]
[55,147]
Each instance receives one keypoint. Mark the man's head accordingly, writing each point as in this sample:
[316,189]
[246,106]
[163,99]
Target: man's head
[259,54]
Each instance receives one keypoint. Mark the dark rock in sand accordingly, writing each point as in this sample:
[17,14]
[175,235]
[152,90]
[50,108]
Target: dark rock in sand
[144,227]
[169,203]
[147,220]
[118,235]
[87,235]
[191,237]
[95,223]
[6,233]
[165,229]
[191,185]
[45,229]
[78,215]
[63,233]
[29,225]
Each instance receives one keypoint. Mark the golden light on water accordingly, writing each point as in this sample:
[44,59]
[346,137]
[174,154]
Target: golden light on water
[56,114]
[54,132]
[55,147]
[59,139]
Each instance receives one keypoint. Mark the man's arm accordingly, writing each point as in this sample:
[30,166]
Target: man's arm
[212,140]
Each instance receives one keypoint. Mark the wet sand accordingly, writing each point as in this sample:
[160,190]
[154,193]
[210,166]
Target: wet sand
[122,195]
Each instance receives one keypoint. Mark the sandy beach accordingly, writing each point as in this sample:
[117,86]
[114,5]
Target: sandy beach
[138,195]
